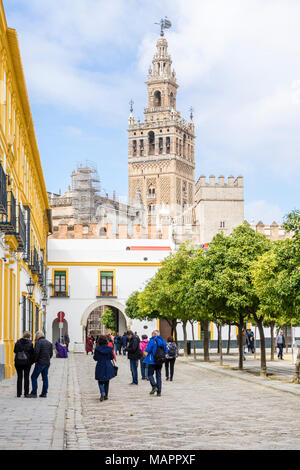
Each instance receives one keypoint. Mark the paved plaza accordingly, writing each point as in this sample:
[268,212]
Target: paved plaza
[200,409]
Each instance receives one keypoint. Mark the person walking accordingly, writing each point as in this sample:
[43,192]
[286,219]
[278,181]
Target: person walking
[134,353]
[157,350]
[43,351]
[280,344]
[171,356]
[23,361]
[250,336]
[104,371]
[144,367]
[67,340]
[124,342]
[117,342]
[245,342]
[89,346]
[110,343]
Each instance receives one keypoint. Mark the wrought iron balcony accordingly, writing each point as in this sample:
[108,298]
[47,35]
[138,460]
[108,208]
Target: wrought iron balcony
[8,222]
[34,264]
[41,273]
[21,231]
[3,191]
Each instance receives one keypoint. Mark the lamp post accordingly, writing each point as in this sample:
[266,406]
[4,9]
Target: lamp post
[30,286]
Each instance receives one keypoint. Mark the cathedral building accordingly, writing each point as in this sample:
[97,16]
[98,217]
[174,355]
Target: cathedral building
[163,200]
[102,249]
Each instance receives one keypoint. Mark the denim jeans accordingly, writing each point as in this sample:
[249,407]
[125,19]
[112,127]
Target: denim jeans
[144,368]
[157,369]
[34,376]
[117,349]
[134,371]
[280,350]
[104,387]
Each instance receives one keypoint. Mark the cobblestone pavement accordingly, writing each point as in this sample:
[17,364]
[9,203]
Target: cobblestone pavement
[277,369]
[34,424]
[198,410]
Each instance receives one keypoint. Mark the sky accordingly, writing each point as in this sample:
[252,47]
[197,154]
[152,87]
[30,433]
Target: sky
[237,64]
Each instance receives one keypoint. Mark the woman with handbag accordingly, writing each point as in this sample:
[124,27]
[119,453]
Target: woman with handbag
[105,369]
[23,361]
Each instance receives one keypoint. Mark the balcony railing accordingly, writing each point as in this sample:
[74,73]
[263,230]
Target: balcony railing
[21,231]
[34,264]
[112,293]
[3,192]
[8,222]
[41,273]
[60,292]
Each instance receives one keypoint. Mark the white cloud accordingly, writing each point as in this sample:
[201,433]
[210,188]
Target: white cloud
[263,211]
[237,63]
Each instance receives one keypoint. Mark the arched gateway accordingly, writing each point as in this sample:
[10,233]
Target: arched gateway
[94,310]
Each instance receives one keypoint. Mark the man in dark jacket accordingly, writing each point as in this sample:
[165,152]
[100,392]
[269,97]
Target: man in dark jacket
[124,342]
[134,354]
[43,352]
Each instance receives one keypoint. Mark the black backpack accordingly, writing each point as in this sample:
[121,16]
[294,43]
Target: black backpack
[159,356]
[22,358]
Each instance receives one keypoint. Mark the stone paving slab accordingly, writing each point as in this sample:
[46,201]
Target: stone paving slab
[277,369]
[198,410]
[34,423]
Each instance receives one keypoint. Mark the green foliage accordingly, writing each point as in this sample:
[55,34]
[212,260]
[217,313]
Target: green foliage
[108,319]
[292,222]
[220,282]
[276,277]
[163,296]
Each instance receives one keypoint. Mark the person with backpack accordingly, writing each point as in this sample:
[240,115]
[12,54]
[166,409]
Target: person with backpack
[23,361]
[134,354]
[156,357]
[171,356]
[144,367]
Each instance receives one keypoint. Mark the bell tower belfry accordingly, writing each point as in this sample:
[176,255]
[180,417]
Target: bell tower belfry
[161,149]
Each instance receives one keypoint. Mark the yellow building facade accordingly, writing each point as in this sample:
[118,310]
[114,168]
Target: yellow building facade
[25,219]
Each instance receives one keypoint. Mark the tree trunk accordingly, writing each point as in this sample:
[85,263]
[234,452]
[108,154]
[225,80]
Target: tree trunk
[228,341]
[193,336]
[218,329]
[286,341]
[296,379]
[240,326]
[184,338]
[220,344]
[272,326]
[206,341]
[263,362]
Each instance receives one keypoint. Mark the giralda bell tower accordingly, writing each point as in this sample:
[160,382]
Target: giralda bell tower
[161,149]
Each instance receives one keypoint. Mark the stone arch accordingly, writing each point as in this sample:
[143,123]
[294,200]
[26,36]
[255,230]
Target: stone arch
[157,98]
[107,302]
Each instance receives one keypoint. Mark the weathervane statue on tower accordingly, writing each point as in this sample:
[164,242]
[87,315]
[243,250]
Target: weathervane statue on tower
[164,24]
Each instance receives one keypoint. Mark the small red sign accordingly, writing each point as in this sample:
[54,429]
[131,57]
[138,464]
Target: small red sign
[61,317]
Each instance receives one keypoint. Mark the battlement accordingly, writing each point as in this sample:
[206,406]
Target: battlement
[220,183]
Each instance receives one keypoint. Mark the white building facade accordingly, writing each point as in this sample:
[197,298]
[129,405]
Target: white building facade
[89,275]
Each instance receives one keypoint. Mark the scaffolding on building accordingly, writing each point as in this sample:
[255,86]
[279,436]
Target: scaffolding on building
[85,190]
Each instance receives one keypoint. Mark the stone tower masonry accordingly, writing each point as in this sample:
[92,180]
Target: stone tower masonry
[161,149]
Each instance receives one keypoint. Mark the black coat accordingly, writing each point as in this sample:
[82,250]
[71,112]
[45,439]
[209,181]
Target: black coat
[43,352]
[26,346]
[133,348]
